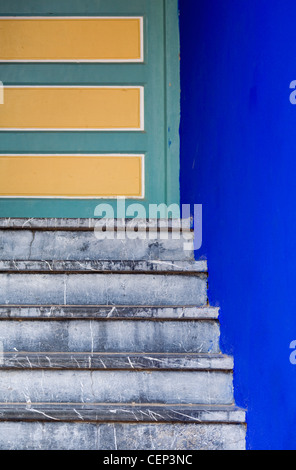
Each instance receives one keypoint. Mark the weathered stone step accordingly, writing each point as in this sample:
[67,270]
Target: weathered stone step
[110,336]
[88,224]
[103,289]
[98,361]
[121,436]
[131,386]
[110,266]
[24,244]
[118,413]
[61,312]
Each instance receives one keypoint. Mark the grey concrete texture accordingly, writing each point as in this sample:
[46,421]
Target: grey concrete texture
[110,436]
[103,289]
[110,336]
[81,386]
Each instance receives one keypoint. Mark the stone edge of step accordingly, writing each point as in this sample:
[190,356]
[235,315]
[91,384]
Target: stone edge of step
[116,361]
[73,224]
[122,413]
[105,266]
[107,312]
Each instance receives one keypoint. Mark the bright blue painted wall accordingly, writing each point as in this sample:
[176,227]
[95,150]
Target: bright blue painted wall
[238,158]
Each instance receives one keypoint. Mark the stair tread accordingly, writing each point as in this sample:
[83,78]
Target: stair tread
[119,412]
[115,361]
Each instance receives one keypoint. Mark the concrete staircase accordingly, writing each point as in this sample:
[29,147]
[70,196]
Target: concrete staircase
[109,344]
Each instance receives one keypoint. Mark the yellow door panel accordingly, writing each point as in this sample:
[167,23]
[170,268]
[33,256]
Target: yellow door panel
[71,39]
[89,176]
[72,108]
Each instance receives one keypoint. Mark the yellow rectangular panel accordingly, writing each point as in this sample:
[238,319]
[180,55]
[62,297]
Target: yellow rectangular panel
[71,39]
[73,176]
[72,108]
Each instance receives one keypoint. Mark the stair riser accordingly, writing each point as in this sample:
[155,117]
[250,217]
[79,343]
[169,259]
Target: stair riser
[102,289]
[90,436]
[165,387]
[110,336]
[71,245]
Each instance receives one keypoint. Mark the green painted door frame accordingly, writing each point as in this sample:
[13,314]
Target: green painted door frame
[159,74]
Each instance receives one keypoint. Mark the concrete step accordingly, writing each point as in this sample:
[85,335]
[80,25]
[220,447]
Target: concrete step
[34,244]
[64,312]
[123,436]
[107,340]
[115,361]
[120,386]
[145,336]
[103,289]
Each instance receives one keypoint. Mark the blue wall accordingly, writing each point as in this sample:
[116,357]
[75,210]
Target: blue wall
[238,158]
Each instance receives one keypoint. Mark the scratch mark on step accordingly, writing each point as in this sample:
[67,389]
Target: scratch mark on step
[115,439]
[82,391]
[154,359]
[44,414]
[111,312]
[81,417]
[27,222]
[1,353]
[91,337]
[130,363]
[78,365]
[167,264]
[186,416]
[27,397]
[153,415]
[31,243]
[15,265]
[65,290]
[30,364]
[104,365]
[48,264]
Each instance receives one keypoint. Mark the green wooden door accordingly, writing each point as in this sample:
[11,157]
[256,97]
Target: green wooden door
[156,74]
